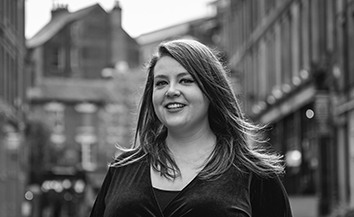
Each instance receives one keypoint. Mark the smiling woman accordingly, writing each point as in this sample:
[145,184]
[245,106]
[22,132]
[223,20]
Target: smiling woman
[194,153]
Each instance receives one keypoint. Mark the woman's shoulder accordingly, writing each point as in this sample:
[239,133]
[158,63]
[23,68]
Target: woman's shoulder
[263,182]
[269,195]
[128,157]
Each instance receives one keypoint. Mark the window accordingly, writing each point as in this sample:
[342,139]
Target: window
[86,136]
[14,13]
[58,59]
[55,112]
[285,49]
[270,74]
[74,59]
[305,35]
[2,6]
[262,70]
[89,161]
[350,30]
[88,142]
[2,75]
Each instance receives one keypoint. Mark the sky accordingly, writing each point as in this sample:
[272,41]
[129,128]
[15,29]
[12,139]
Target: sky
[138,16]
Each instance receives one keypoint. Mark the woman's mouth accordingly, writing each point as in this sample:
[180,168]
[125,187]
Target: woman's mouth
[174,105]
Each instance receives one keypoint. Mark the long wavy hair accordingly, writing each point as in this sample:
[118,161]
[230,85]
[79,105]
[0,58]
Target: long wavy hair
[239,143]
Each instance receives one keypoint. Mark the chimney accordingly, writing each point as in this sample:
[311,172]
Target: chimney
[116,14]
[118,43]
[59,9]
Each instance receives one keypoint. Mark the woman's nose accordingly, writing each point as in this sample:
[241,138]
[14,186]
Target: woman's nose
[172,92]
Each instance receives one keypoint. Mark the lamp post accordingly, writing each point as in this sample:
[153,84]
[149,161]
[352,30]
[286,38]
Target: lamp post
[324,136]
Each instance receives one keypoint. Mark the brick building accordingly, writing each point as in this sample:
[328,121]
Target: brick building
[79,62]
[293,59]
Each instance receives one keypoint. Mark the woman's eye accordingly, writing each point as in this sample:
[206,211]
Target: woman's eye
[186,81]
[160,83]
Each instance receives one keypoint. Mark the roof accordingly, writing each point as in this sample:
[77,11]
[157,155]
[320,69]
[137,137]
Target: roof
[162,34]
[56,24]
[73,90]
[166,33]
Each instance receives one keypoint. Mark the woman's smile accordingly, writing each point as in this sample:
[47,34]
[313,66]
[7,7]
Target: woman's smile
[174,106]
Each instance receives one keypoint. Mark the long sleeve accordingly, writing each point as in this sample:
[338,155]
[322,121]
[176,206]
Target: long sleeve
[99,205]
[269,198]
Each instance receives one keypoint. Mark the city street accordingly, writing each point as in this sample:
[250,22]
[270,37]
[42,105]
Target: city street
[71,92]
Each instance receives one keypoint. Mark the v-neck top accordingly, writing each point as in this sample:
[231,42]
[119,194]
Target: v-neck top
[127,191]
[164,197]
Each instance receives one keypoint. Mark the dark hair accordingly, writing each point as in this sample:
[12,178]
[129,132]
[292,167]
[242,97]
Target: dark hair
[238,142]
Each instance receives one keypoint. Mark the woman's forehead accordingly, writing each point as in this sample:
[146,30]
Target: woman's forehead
[167,65]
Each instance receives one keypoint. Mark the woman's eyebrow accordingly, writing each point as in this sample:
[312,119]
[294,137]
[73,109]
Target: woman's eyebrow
[160,76]
[181,74]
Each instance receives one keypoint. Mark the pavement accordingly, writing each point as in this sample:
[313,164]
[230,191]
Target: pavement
[304,206]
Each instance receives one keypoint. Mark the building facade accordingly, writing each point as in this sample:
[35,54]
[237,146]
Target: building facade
[13,82]
[293,61]
[79,63]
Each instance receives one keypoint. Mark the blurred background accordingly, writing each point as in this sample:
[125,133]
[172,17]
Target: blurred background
[71,75]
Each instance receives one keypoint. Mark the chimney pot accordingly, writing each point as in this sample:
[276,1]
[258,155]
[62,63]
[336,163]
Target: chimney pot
[59,9]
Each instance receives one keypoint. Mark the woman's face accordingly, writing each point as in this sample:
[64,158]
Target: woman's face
[178,101]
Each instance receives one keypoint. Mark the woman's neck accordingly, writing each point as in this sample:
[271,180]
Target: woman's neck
[196,147]
[190,152]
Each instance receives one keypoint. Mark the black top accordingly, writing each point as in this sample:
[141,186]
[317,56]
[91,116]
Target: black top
[127,192]
[164,197]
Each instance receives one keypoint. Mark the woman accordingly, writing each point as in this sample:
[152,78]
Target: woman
[194,153]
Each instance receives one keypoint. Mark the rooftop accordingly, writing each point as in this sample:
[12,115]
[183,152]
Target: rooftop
[56,24]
